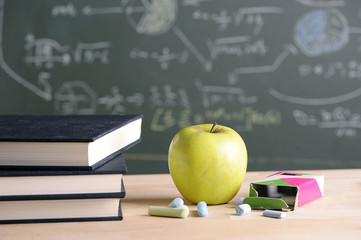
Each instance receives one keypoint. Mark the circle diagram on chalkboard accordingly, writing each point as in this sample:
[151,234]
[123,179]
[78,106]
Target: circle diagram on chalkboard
[321,32]
[152,17]
[318,33]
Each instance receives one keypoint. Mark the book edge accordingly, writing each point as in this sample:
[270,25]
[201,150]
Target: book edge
[55,220]
[120,194]
[75,219]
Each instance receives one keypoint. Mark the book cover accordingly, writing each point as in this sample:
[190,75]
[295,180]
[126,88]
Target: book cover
[25,184]
[60,128]
[77,141]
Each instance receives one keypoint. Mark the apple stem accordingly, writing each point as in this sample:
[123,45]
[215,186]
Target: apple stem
[212,128]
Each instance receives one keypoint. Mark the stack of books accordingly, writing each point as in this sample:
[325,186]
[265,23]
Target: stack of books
[56,168]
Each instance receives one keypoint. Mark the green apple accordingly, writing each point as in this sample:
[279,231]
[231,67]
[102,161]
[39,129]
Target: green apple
[207,163]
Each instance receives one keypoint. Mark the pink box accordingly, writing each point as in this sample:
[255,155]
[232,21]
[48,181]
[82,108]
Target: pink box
[285,191]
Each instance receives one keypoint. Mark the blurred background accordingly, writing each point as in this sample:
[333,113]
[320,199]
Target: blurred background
[286,75]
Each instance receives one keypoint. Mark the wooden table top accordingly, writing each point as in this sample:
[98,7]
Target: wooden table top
[335,216]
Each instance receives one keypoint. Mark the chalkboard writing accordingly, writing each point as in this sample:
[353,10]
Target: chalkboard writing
[285,74]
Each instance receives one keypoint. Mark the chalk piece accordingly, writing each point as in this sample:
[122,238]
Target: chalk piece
[177,202]
[239,201]
[272,191]
[274,214]
[181,212]
[243,209]
[202,209]
[202,204]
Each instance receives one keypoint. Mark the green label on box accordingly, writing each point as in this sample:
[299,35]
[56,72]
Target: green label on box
[277,182]
[265,203]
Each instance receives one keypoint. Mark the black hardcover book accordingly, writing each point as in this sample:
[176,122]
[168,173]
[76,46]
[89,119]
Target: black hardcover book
[66,141]
[29,184]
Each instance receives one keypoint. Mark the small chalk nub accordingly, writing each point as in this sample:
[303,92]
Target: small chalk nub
[202,204]
[179,212]
[272,191]
[243,209]
[177,202]
[239,201]
[202,209]
[274,214]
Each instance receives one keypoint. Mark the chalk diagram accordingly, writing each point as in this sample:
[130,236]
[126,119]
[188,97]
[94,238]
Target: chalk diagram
[43,89]
[152,18]
[316,33]
[45,53]
[147,17]
[157,17]
[321,32]
[75,96]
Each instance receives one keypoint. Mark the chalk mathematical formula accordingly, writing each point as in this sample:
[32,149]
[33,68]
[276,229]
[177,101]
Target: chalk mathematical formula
[275,68]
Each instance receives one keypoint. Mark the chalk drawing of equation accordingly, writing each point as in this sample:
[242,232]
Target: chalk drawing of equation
[240,45]
[149,17]
[77,97]
[317,33]
[46,53]
[157,17]
[146,17]
[344,122]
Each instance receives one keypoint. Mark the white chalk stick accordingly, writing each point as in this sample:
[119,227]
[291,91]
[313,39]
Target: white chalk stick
[239,201]
[177,202]
[202,209]
[274,214]
[243,209]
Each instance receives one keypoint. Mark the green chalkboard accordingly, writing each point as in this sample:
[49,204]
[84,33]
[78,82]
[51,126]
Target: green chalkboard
[284,74]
